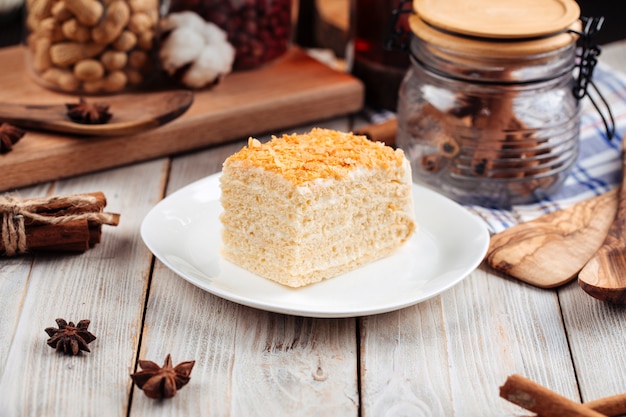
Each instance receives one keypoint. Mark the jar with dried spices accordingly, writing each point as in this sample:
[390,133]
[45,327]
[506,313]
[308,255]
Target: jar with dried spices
[488,112]
[91,46]
[259,30]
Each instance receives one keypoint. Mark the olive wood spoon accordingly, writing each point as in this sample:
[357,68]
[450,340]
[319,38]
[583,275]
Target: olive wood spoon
[550,250]
[604,276]
[132,113]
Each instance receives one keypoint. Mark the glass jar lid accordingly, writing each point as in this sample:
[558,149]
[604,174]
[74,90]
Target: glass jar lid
[498,19]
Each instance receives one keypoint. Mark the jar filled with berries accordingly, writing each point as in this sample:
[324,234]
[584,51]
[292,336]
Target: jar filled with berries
[259,30]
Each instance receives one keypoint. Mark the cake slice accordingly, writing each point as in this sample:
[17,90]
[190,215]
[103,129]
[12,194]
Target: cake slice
[306,207]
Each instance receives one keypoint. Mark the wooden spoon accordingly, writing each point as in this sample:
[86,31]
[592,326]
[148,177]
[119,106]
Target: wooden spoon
[550,250]
[604,276]
[132,113]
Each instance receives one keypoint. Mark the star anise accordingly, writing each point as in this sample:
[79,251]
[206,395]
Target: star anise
[88,113]
[9,135]
[69,338]
[162,382]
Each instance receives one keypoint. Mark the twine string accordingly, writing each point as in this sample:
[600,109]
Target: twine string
[15,212]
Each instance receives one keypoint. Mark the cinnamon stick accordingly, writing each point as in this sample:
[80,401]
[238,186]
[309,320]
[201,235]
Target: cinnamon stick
[73,234]
[612,406]
[95,234]
[64,205]
[615,405]
[382,132]
[536,398]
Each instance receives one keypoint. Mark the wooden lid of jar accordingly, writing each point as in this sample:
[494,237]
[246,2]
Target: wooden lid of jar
[499,19]
[493,47]
[497,28]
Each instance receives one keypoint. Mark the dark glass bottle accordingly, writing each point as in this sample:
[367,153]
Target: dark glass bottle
[381,70]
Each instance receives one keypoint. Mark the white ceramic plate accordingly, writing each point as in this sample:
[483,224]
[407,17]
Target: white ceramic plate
[183,231]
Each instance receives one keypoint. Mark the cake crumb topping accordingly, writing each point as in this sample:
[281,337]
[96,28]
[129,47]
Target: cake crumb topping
[318,154]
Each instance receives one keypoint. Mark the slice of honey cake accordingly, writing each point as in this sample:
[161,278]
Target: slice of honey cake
[303,208]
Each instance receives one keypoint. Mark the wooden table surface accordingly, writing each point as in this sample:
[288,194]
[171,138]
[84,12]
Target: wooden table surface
[447,356]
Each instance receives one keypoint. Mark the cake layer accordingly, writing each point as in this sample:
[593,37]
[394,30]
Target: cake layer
[315,256]
[274,270]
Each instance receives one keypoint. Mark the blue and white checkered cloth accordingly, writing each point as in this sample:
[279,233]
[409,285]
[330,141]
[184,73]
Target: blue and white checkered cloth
[598,168]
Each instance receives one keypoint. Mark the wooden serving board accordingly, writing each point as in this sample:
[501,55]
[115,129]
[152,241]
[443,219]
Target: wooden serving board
[294,90]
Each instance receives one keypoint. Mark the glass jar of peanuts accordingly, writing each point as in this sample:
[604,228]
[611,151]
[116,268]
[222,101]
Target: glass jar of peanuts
[487,113]
[91,46]
[259,30]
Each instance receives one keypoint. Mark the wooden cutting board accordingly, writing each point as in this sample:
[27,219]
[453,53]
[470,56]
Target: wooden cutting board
[294,90]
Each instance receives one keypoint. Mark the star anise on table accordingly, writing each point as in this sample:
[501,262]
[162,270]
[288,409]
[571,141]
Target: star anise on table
[162,382]
[70,339]
[88,113]
[9,135]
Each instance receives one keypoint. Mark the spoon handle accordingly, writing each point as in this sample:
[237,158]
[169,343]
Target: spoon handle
[28,115]
[614,238]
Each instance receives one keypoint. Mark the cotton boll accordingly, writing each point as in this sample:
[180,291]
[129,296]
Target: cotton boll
[188,19]
[182,46]
[227,52]
[212,64]
[213,34]
[201,45]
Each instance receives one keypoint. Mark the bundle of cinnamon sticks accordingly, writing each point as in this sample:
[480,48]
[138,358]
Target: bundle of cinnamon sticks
[70,223]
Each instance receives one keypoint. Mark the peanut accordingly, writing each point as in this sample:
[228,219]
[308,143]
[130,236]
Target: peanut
[115,81]
[65,54]
[137,59]
[37,10]
[61,78]
[88,12]
[143,5]
[89,70]
[125,42]
[115,19]
[75,31]
[134,76]
[31,40]
[49,28]
[140,22]
[114,60]
[60,12]
[41,55]
[154,16]
[145,40]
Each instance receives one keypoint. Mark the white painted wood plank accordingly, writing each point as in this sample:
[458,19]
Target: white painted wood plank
[14,276]
[597,336]
[449,356]
[107,285]
[302,366]
[249,362]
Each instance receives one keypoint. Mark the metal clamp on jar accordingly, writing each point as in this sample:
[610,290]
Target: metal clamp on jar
[486,112]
